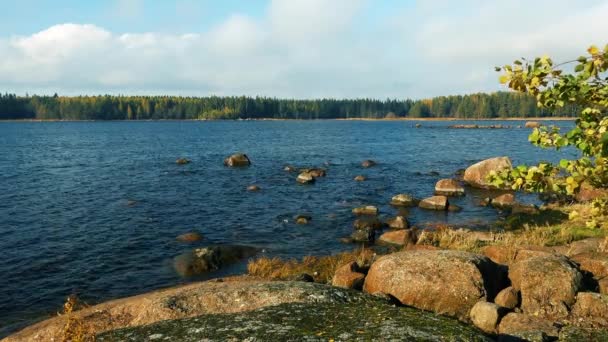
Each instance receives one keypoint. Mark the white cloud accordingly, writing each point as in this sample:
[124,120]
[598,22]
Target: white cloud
[308,48]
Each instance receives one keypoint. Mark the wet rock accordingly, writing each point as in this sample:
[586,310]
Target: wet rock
[253,188]
[486,316]
[360,178]
[594,263]
[305,178]
[403,200]
[532,124]
[363,235]
[368,222]
[315,172]
[211,258]
[443,281]
[237,160]
[398,222]
[418,125]
[591,309]
[476,174]
[366,210]
[525,326]
[548,285]
[189,237]
[182,161]
[302,219]
[449,187]
[504,201]
[289,168]
[507,298]
[397,237]
[368,163]
[349,276]
[434,203]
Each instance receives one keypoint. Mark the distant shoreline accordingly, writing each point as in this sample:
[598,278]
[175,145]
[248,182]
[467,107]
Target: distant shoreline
[335,119]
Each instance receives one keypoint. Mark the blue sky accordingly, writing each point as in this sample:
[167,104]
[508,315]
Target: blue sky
[283,48]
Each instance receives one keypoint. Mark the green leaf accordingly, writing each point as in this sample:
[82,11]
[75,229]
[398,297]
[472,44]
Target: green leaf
[579,68]
[564,163]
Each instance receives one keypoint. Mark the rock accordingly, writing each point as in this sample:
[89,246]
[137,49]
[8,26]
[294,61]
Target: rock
[507,298]
[454,208]
[500,254]
[434,203]
[485,202]
[486,316]
[403,200]
[305,178]
[315,172]
[349,276]
[396,237]
[189,237]
[532,124]
[449,187]
[520,325]
[368,222]
[476,174]
[366,210]
[304,277]
[211,258]
[368,163]
[528,209]
[602,285]
[443,281]
[418,125]
[577,334]
[360,178]
[289,168]
[589,245]
[548,285]
[302,219]
[182,161]
[588,193]
[253,188]
[594,263]
[363,235]
[591,309]
[326,313]
[503,201]
[131,203]
[237,160]
[398,222]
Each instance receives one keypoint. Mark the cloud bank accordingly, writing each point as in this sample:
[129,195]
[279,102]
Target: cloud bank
[308,48]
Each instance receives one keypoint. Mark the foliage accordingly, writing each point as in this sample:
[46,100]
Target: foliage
[474,106]
[585,88]
[75,330]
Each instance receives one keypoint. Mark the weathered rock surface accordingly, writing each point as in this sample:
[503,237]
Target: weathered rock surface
[398,222]
[589,245]
[449,187]
[503,201]
[443,281]
[237,160]
[397,237]
[366,210]
[305,178]
[368,163]
[368,222]
[486,316]
[434,203]
[588,193]
[532,124]
[326,314]
[363,235]
[476,174]
[520,325]
[315,172]
[548,285]
[403,200]
[210,258]
[594,263]
[578,334]
[349,276]
[189,237]
[507,298]
[591,310]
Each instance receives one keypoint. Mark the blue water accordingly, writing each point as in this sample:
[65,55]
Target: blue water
[66,225]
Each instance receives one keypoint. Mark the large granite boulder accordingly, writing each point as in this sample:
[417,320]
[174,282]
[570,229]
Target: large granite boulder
[476,175]
[443,281]
[237,160]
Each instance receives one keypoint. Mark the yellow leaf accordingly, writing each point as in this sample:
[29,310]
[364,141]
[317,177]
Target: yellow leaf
[504,79]
[593,50]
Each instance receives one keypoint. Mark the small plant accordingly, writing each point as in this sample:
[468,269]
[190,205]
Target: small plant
[75,329]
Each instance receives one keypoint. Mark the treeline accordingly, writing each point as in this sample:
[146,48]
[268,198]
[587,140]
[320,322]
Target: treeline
[106,107]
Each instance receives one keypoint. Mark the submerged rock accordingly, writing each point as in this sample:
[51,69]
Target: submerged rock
[253,188]
[305,178]
[477,174]
[189,237]
[237,160]
[504,201]
[368,163]
[366,210]
[302,219]
[403,200]
[360,178]
[211,258]
[182,161]
[368,222]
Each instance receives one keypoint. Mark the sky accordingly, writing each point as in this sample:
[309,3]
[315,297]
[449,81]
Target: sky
[284,48]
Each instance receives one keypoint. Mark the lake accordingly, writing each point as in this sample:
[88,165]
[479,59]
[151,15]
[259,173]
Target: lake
[94,208]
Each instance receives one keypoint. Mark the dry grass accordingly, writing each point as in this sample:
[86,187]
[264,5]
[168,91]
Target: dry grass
[321,268]
[75,329]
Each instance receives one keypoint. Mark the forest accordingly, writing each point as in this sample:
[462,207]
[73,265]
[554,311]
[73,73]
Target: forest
[109,107]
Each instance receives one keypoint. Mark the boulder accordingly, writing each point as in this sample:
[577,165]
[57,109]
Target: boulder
[602,285]
[504,201]
[368,222]
[486,316]
[305,178]
[363,235]
[588,193]
[591,309]
[253,188]
[476,175]
[302,219]
[189,237]
[315,172]
[434,203]
[500,254]
[398,222]
[443,281]
[360,178]
[182,161]
[366,210]
[349,276]
[368,163]
[532,124]
[403,200]
[211,258]
[507,298]
[237,160]
[585,246]
[520,325]
[594,263]
[548,285]
[396,237]
[449,187]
